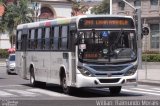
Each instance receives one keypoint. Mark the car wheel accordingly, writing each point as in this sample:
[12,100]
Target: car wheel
[8,72]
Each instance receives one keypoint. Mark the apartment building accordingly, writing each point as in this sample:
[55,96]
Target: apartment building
[150,13]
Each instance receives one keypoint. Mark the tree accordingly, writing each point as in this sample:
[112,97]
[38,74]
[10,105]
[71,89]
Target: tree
[15,15]
[103,8]
[2,24]
[78,9]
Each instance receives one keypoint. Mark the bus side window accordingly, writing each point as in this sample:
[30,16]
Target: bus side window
[60,38]
[47,37]
[51,38]
[39,38]
[19,41]
[29,40]
[43,39]
[64,38]
[36,39]
[56,36]
[32,39]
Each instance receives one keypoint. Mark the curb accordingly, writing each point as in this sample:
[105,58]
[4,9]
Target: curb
[149,83]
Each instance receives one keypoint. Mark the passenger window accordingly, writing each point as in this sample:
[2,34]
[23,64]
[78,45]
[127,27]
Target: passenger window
[19,41]
[64,38]
[56,37]
[36,39]
[47,38]
[32,38]
[29,40]
[43,39]
[52,38]
[39,38]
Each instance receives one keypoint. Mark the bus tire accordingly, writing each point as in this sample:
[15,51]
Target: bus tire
[115,90]
[66,89]
[33,81]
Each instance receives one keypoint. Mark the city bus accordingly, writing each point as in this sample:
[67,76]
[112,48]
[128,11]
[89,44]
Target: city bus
[88,51]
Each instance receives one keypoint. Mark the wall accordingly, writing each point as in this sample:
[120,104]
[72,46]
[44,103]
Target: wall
[4,41]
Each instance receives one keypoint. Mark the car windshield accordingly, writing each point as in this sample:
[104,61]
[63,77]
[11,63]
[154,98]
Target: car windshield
[12,58]
[107,46]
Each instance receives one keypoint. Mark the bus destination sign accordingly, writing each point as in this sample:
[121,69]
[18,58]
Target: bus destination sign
[107,22]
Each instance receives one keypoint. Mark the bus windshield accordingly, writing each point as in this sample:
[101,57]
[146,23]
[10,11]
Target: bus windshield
[107,46]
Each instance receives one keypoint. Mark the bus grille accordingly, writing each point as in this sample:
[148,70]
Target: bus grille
[105,74]
[109,80]
[108,68]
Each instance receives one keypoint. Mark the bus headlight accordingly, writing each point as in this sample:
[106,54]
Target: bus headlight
[85,71]
[130,72]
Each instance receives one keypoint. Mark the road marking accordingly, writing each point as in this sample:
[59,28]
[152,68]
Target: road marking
[156,88]
[6,94]
[141,92]
[22,92]
[10,86]
[46,92]
[145,90]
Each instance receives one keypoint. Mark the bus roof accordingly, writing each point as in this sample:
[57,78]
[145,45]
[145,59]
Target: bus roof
[60,21]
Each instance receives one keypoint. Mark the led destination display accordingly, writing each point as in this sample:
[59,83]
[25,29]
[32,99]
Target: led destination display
[107,22]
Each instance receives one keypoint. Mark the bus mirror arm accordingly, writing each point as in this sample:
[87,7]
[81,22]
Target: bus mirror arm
[76,41]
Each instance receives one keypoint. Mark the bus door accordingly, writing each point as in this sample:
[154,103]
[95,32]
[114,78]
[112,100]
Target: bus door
[23,53]
[73,34]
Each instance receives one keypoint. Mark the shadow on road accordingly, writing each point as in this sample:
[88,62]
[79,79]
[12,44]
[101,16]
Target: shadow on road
[2,78]
[87,92]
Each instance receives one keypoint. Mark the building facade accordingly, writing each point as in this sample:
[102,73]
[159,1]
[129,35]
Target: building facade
[150,13]
[50,9]
[4,41]
[43,9]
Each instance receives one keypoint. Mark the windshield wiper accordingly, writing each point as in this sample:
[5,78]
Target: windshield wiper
[117,39]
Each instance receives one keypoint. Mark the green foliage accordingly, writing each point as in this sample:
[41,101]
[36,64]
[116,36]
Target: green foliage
[4,53]
[78,8]
[151,57]
[15,15]
[103,8]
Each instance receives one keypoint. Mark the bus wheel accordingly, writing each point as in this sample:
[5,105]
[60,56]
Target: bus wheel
[35,83]
[66,89]
[115,90]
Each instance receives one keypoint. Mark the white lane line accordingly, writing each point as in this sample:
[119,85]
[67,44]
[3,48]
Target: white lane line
[156,88]
[46,92]
[22,92]
[145,90]
[141,92]
[10,85]
[6,94]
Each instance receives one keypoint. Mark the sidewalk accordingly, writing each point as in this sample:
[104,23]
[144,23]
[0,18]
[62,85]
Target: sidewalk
[149,74]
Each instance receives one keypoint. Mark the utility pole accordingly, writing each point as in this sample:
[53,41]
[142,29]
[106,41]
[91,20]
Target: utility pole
[110,7]
[138,12]
[139,32]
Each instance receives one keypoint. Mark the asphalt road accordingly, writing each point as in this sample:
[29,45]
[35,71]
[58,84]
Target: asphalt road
[15,91]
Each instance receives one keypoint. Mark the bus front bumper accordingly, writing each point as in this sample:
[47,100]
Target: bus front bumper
[84,81]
